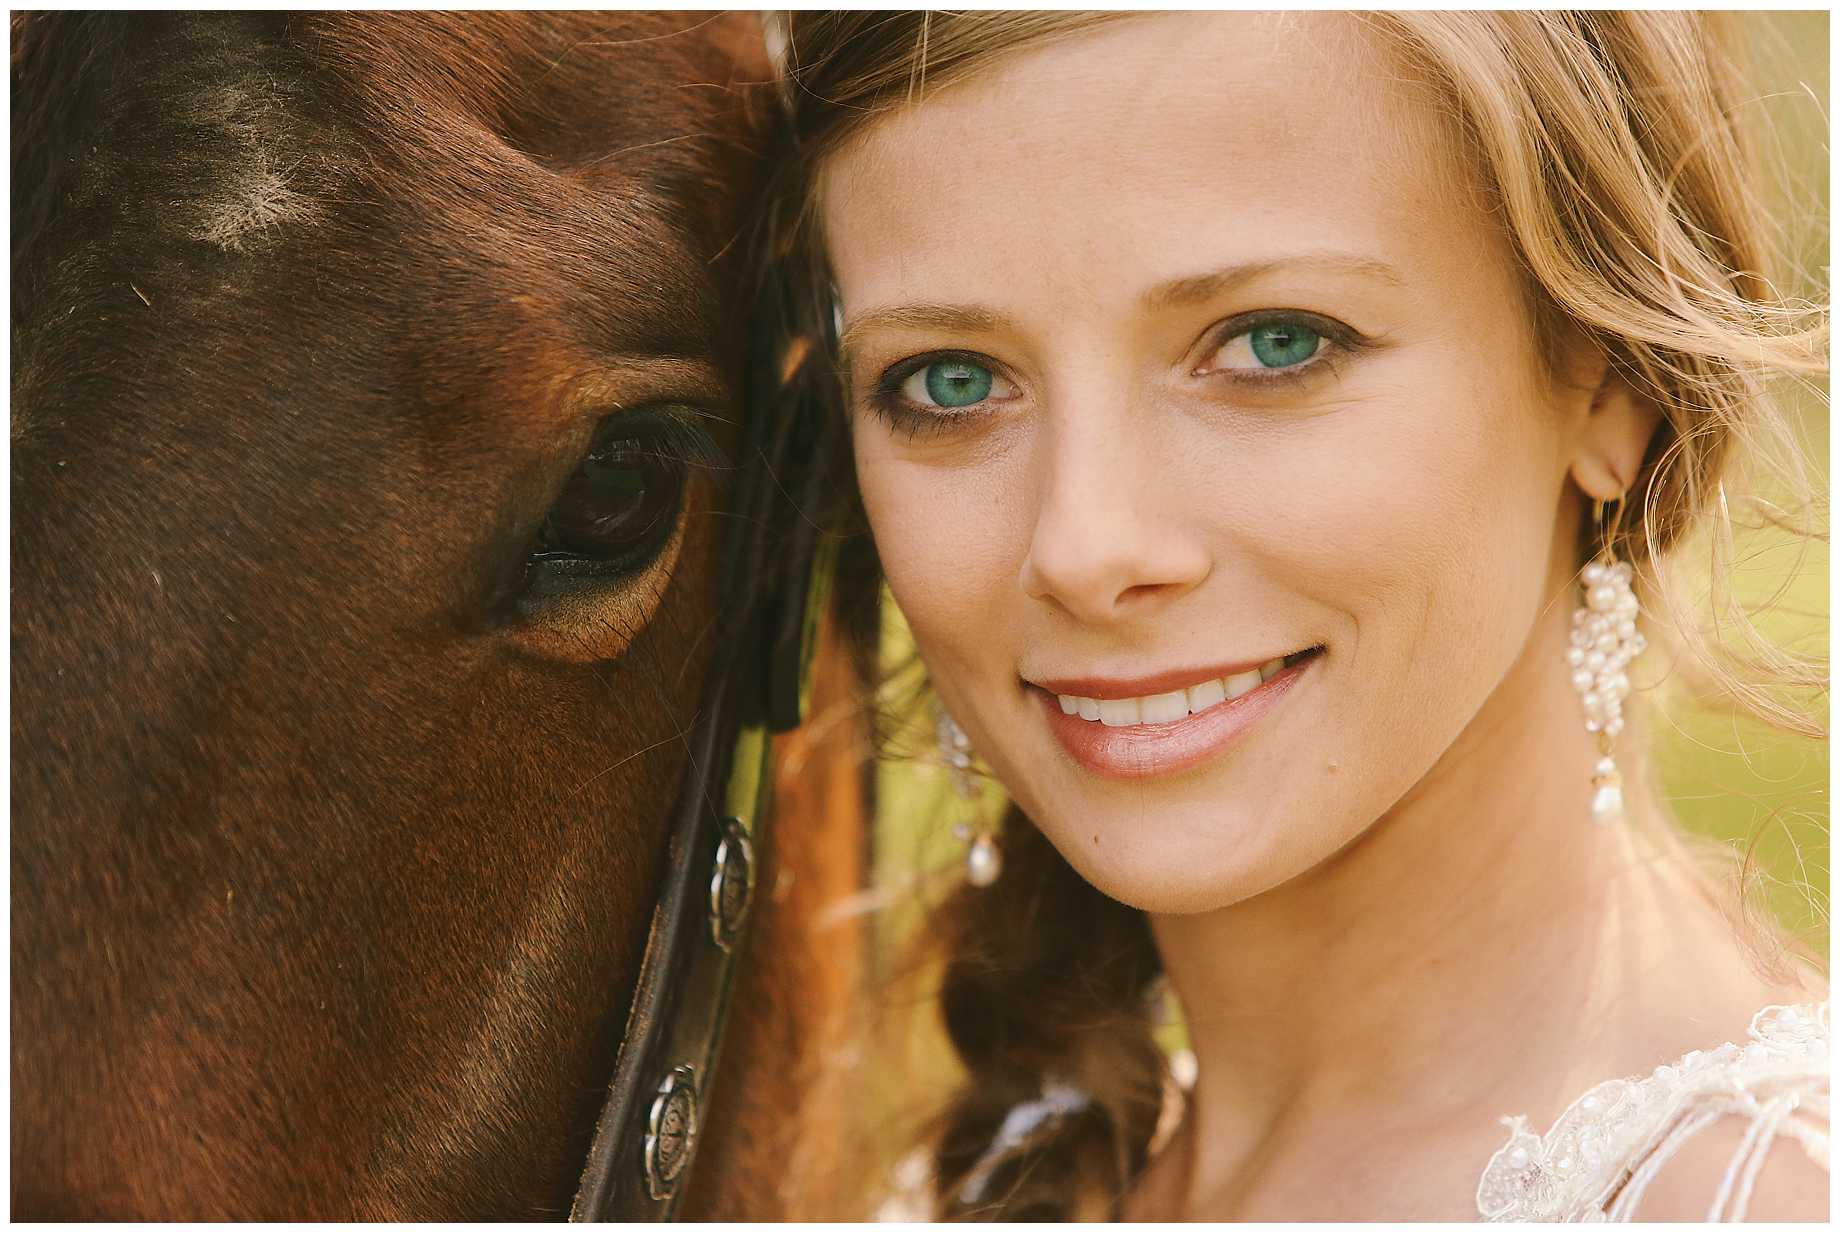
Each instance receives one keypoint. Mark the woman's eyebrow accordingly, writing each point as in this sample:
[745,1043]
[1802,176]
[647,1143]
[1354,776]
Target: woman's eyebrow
[949,318]
[1180,292]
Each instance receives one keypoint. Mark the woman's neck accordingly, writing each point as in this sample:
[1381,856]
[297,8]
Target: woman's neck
[1484,948]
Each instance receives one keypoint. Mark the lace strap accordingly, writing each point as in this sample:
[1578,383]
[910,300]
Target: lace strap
[1623,1209]
[1741,1171]
[1768,1121]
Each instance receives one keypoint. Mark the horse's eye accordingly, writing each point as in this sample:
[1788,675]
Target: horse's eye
[619,507]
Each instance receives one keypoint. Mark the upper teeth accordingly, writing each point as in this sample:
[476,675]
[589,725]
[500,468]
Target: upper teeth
[1166,708]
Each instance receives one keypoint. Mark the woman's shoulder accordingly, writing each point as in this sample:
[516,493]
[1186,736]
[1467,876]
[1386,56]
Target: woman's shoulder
[1699,1138]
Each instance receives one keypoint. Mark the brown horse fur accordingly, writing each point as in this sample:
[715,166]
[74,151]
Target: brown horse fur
[333,846]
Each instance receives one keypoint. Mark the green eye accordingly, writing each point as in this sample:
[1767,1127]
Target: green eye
[1282,345]
[950,383]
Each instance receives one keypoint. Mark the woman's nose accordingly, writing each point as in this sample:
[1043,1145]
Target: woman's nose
[1111,540]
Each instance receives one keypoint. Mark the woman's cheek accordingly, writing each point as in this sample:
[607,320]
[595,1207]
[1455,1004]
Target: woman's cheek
[935,551]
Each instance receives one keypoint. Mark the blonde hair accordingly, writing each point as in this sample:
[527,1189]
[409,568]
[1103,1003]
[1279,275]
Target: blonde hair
[1611,148]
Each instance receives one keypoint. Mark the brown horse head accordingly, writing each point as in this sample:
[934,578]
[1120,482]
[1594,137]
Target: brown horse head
[371,379]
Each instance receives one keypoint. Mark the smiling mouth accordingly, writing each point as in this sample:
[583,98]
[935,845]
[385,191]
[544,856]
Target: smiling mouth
[1178,704]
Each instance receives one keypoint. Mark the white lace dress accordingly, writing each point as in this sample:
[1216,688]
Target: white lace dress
[1603,1152]
[1598,1159]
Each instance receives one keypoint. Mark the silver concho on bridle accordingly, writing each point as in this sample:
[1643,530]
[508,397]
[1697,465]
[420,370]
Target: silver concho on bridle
[670,1132]
[731,885]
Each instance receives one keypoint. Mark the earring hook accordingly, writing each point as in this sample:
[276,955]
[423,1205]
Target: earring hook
[1607,536]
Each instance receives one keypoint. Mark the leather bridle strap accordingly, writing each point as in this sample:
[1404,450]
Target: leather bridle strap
[646,1137]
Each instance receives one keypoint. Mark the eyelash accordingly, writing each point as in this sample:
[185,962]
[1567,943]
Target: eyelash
[1345,343]
[900,415]
[887,402]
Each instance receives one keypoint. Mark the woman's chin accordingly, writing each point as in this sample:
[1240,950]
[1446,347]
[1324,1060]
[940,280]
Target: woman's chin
[1170,870]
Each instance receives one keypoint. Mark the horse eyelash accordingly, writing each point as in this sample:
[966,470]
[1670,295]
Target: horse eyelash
[672,431]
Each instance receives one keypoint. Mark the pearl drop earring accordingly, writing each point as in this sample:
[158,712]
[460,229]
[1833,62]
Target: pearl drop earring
[983,858]
[1603,643]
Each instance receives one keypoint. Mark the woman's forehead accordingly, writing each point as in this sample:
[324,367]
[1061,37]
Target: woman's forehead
[1268,132]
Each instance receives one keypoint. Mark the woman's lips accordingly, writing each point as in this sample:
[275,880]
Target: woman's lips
[1139,751]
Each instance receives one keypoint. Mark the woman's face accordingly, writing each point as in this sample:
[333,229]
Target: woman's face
[1176,350]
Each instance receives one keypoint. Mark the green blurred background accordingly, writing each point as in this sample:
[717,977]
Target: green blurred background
[1740,783]
[1735,781]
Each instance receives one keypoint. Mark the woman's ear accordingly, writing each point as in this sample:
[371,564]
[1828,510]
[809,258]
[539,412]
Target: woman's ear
[1613,438]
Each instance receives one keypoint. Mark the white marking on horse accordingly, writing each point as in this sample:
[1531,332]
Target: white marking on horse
[258,194]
